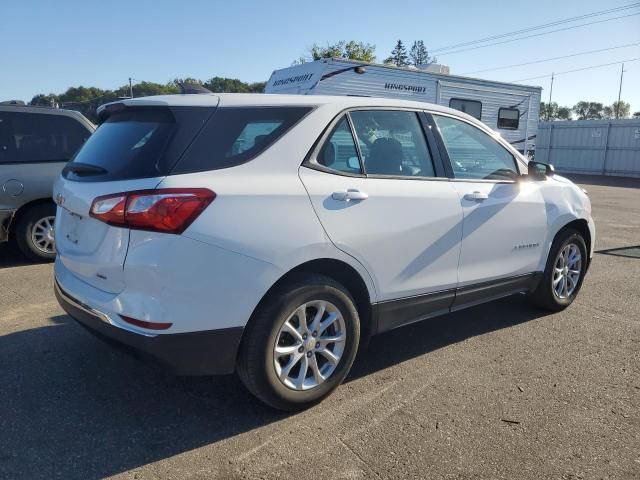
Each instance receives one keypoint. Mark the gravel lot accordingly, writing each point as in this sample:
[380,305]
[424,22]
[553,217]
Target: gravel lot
[497,391]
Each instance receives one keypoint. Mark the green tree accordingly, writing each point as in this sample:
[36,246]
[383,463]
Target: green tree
[86,100]
[42,100]
[257,87]
[398,56]
[226,85]
[636,115]
[564,113]
[552,111]
[352,50]
[620,109]
[363,52]
[588,110]
[419,55]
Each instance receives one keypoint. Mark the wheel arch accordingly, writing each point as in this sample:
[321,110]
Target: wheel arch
[25,208]
[344,274]
[582,226]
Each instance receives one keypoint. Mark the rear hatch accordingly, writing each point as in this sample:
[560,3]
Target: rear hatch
[134,148]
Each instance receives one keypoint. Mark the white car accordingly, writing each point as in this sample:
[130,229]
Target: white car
[271,234]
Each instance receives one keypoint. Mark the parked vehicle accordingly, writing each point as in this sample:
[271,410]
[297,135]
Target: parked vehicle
[508,108]
[271,234]
[35,143]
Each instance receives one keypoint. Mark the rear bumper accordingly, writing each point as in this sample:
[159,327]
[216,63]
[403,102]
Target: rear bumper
[210,352]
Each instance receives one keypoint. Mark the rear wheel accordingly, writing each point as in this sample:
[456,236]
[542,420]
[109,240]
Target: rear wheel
[34,232]
[300,344]
[564,272]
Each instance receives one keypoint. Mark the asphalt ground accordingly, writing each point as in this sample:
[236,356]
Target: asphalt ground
[499,391]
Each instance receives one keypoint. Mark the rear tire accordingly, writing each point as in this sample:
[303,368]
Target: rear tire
[564,272]
[292,364]
[34,232]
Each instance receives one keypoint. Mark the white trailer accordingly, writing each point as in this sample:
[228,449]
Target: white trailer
[510,109]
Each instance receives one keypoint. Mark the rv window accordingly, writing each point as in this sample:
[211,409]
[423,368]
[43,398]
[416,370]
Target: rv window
[470,107]
[508,118]
[339,151]
[392,143]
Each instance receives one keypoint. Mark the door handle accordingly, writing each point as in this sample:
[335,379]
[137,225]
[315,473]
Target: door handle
[476,196]
[350,194]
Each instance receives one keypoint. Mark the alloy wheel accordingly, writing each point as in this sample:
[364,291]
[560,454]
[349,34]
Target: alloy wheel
[42,235]
[309,345]
[566,271]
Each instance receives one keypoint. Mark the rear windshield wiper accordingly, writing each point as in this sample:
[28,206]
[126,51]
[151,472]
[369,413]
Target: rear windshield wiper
[82,169]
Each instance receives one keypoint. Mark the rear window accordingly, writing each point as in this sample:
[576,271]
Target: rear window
[140,142]
[38,137]
[236,135]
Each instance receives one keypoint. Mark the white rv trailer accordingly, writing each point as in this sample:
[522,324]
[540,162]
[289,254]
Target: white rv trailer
[510,109]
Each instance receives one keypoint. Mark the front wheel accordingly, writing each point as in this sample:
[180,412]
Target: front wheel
[300,344]
[564,272]
[35,232]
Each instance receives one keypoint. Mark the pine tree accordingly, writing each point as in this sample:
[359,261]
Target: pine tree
[418,54]
[398,56]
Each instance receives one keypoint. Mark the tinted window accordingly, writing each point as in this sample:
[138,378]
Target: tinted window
[470,107]
[508,118]
[339,150]
[39,137]
[473,153]
[392,143]
[140,142]
[236,135]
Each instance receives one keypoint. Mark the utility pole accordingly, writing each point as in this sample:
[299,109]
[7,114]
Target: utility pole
[130,88]
[619,92]
[549,104]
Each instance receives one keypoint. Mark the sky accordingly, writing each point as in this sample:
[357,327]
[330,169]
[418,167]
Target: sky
[49,46]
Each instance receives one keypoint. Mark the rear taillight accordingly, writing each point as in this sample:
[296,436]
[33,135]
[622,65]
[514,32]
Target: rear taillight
[168,210]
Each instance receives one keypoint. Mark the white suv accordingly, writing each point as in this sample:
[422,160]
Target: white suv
[272,234]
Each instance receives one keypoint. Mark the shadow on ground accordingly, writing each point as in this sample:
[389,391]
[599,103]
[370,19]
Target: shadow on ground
[10,256]
[72,407]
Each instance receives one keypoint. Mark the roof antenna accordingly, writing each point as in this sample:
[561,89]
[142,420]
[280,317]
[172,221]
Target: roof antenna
[188,87]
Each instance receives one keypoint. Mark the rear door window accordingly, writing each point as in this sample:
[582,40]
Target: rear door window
[139,142]
[339,150]
[236,135]
[40,137]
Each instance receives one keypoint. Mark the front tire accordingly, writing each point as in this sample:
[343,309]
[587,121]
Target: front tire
[564,272]
[300,343]
[34,233]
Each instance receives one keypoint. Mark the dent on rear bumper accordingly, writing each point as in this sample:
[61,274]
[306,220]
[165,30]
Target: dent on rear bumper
[173,279]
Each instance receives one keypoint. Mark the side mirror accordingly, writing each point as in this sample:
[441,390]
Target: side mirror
[539,170]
